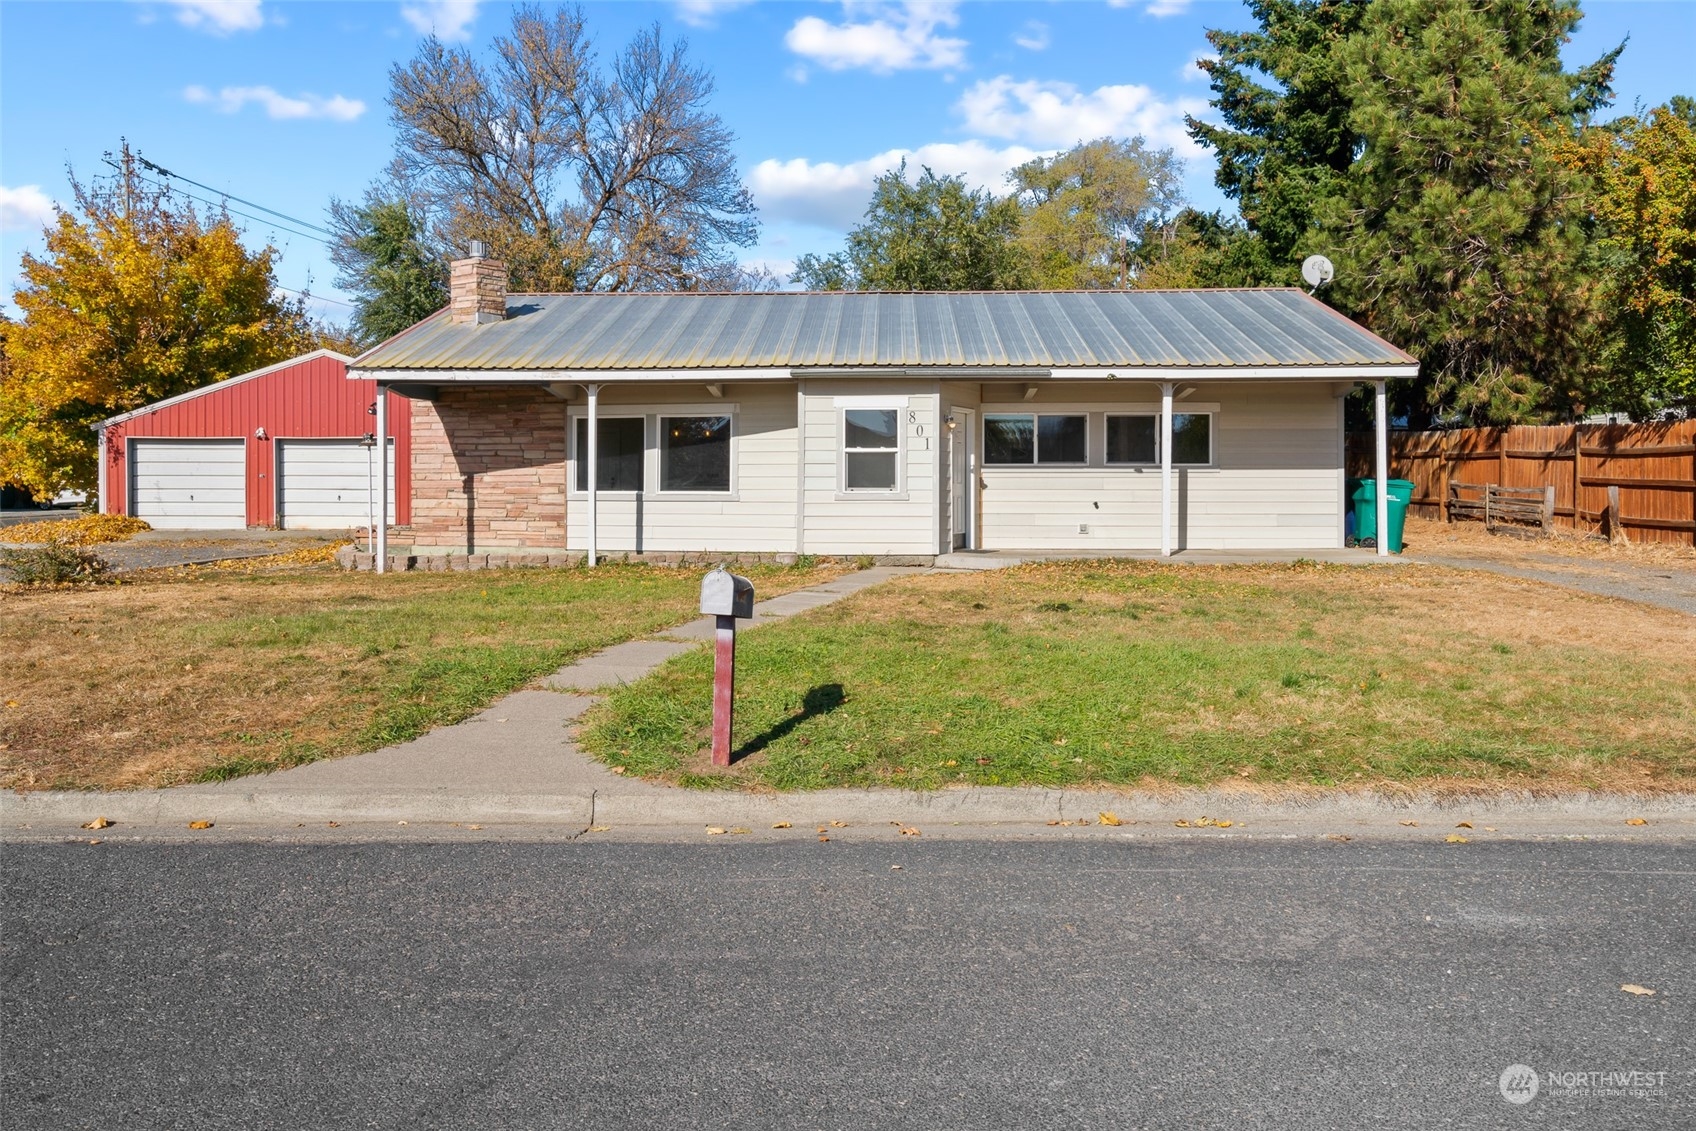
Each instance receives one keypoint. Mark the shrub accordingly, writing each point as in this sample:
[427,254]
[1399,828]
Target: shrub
[55,564]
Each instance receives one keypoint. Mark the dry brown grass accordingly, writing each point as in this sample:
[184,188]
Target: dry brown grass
[185,672]
[1471,540]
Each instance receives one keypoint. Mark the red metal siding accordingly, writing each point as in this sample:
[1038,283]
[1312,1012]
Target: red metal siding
[312,399]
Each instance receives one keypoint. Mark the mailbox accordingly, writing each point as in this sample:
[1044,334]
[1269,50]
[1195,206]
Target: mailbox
[726,594]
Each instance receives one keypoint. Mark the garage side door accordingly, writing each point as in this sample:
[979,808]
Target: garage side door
[189,484]
[323,484]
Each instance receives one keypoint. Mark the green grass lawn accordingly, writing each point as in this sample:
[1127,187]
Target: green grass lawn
[211,674]
[1126,673]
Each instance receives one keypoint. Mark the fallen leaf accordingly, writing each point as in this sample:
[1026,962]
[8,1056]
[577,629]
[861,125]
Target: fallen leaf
[951,762]
[200,824]
[1181,823]
[618,769]
[99,823]
[783,825]
[1225,824]
[839,824]
[821,828]
[983,761]
[1634,988]
[11,702]
[96,840]
[338,824]
[1108,817]
[1057,822]
[823,839]
[1204,822]
[1455,838]
[1464,825]
[1338,836]
[910,831]
[400,822]
[1635,821]
[1411,824]
[895,867]
[1489,828]
[714,830]
[600,828]
[738,831]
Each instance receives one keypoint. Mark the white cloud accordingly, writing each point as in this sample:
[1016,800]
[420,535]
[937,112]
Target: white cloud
[705,13]
[230,99]
[829,195]
[881,37]
[445,19]
[1156,8]
[1058,114]
[25,208]
[1033,36]
[220,17]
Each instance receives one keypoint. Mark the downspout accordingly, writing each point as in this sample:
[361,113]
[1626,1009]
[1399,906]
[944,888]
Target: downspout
[382,564]
[1166,469]
[1383,492]
[594,429]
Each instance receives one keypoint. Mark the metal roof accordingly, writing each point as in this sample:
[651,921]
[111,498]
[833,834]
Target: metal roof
[858,330]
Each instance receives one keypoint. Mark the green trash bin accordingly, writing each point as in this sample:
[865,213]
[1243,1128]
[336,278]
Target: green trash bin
[1365,500]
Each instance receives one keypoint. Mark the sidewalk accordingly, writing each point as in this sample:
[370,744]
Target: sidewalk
[513,770]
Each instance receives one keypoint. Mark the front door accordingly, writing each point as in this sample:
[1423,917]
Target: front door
[962,479]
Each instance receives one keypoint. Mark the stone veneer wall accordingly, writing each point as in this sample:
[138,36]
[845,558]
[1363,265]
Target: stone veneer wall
[488,470]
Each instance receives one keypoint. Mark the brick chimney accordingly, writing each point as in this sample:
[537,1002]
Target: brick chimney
[476,288]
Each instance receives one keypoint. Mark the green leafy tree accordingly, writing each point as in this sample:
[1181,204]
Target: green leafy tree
[1287,141]
[1082,209]
[136,298]
[387,264]
[1459,235]
[1201,249]
[1642,170]
[932,234]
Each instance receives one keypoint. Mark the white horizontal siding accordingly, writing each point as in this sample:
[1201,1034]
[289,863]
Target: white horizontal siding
[189,484]
[759,515]
[839,522]
[1275,483]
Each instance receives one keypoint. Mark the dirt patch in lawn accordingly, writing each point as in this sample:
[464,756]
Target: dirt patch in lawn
[193,673]
[1121,674]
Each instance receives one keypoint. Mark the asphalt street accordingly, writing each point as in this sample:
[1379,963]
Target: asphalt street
[1091,982]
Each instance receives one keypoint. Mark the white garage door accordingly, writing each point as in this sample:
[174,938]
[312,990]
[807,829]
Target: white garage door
[189,484]
[323,484]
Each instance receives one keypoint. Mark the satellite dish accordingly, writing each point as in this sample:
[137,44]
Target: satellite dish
[1317,270]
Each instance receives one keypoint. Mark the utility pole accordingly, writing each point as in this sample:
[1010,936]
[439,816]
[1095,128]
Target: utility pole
[125,165]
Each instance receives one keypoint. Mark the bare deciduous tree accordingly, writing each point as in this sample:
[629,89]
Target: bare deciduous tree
[582,178]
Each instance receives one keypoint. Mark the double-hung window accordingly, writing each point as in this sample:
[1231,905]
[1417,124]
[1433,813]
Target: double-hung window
[618,456]
[694,453]
[1135,438]
[871,449]
[1035,438]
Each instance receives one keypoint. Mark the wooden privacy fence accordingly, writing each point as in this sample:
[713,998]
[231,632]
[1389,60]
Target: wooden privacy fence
[1650,467]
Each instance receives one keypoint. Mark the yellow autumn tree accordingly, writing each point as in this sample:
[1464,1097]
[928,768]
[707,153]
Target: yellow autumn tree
[135,298]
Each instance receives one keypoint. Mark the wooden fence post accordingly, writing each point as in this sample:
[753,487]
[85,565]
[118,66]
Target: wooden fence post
[1548,508]
[1502,458]
[1445,474]
[1611,520]
[1577,474]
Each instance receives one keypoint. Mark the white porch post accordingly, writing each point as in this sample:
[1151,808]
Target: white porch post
[1383,502]
[382,522]
[593,456]
[1166,469]
[103,501]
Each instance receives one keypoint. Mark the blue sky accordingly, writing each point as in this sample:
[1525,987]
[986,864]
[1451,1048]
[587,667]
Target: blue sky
[283,103]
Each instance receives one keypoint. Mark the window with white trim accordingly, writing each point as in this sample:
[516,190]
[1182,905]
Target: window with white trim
[619,454]
[1134,438]
[695,453]
[871,449]
[1011,438]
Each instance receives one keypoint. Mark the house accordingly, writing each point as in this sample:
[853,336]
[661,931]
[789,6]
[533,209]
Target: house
[902,426]
[280,446]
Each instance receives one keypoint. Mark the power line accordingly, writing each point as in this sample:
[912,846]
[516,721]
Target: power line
[164,172]
[238,212]
[310,297]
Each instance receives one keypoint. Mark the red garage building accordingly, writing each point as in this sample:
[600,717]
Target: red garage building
[276,447]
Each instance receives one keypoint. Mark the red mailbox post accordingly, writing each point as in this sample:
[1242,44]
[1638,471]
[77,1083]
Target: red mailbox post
[730,598]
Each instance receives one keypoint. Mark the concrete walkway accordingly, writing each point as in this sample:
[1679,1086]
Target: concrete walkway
[513,770]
